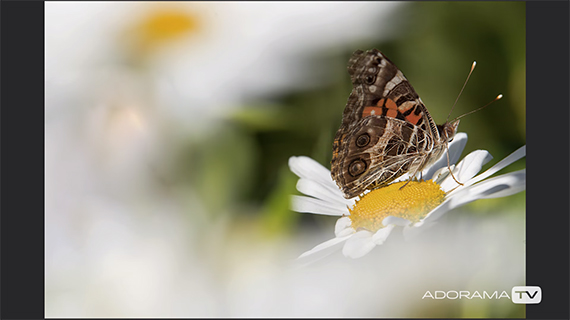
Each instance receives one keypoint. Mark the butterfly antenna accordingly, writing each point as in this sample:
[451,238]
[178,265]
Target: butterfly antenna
[469,75]
[470,112]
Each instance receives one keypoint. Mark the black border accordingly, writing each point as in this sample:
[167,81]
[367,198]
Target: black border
[548,193]
[22,147]
[22,159]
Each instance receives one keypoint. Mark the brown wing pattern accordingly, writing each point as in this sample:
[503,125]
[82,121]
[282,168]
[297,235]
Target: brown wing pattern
[386,129]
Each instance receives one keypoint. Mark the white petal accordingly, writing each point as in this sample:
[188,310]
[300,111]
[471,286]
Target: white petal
[395,221]
[455,149]
[440,175]
[305,167]
[343,227]
[518,154]
[515,182]
[435,213]
[472,164]
[312,205]
[317,190]
[501,186]
[381,235]
[466,169]
[456,146]
[323,249]
[359,244]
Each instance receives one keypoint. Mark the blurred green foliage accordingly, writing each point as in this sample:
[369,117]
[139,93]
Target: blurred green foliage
[243,168]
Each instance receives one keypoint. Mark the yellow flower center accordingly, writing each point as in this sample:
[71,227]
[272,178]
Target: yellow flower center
[160,27]
[165,25]
[412,202]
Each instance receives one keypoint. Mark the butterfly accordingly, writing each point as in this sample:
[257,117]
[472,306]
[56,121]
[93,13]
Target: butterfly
[386,129]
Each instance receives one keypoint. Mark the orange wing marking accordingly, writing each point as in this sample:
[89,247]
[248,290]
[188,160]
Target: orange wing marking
[392,113]
[390,104]
[413,118]
[382,104]
[370,111]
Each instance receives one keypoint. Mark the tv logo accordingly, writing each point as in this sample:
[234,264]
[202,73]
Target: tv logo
[526,295]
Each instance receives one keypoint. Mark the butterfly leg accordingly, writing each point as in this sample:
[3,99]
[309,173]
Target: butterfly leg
[418,168]
[449,166]
[405,184]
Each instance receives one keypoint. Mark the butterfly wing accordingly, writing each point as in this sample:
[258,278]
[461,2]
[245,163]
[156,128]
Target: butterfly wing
[386,129]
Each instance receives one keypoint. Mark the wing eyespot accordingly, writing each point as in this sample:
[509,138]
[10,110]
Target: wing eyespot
[363,140]
[357,167]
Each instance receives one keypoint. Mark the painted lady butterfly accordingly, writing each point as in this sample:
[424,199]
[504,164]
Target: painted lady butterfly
[386,129]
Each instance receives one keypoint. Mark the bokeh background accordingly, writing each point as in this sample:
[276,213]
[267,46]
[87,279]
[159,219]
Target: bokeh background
[168,127]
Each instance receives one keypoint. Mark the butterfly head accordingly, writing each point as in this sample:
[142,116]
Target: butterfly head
[448,130]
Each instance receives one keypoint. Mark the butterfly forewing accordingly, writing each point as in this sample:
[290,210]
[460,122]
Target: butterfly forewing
[386,129]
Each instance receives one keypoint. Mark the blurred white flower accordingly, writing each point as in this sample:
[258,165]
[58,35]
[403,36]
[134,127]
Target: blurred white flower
[126,84]
[217,56]
[391,280]
[367,222]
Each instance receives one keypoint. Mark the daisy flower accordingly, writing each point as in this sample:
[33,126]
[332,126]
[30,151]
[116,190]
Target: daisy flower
[368,220]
